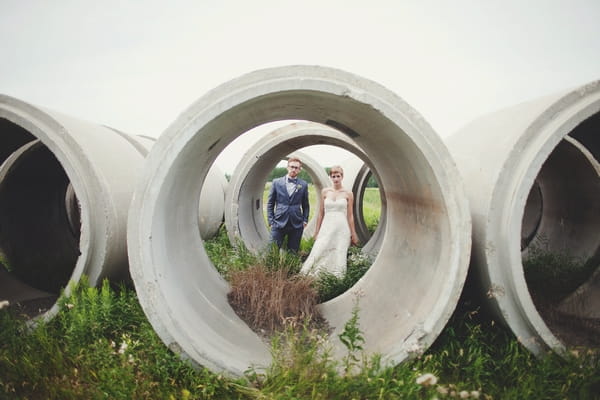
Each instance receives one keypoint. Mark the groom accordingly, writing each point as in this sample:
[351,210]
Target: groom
[287,206]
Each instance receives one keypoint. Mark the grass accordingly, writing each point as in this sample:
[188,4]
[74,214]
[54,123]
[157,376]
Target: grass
[555,275]
[101,346]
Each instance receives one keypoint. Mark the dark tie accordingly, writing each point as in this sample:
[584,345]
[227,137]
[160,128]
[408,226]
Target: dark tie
[294,180]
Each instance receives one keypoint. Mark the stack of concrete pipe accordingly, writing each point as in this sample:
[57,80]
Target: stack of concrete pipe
[65,189]
[512,161]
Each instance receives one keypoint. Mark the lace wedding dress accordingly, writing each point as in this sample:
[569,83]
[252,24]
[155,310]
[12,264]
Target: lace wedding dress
[331,246]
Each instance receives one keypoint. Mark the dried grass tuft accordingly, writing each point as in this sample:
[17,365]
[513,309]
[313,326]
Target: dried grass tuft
[266,298]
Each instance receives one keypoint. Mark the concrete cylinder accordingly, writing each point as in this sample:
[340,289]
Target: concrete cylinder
[528,181]
[244,215]
[414,283]
[65,188]
[211,209]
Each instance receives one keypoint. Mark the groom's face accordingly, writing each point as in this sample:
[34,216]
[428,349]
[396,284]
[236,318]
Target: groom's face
[293,168]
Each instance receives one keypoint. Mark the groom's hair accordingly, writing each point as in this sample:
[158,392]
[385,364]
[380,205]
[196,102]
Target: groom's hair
[294,159]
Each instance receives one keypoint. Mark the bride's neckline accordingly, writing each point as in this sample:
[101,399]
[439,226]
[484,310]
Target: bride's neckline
[336,198]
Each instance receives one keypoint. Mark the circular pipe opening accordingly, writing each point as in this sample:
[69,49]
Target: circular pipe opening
[565,239]
[65,188]
[244,213]
[412,287]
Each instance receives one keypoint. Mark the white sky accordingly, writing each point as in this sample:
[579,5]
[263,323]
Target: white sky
[135,65]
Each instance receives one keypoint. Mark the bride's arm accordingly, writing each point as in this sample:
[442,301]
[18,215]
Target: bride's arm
[350,216]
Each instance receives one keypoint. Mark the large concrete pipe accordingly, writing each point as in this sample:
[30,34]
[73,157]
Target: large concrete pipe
[413,285]
[65,189]
[356,176]
[527,181]
[244,215]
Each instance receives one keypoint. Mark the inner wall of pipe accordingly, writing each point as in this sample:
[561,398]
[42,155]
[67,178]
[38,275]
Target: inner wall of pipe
[38,243]
[563,208]
[403,286]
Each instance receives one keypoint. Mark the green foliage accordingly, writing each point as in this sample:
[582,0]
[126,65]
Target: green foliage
[352,338]
[555,275]
[100,346]
[225,257]
[371,208]
[330,286]
[282,171]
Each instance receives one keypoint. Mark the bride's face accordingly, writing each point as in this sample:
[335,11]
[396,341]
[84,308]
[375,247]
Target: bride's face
[336,178]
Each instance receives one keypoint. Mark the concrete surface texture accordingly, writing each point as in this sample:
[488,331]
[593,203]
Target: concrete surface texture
[529,182]
[211,209]
[356,178]
[65,190]
[411,289]
[244,214]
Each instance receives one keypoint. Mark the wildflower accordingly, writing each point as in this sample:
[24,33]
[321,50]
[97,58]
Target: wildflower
[443,390]
[475,394]
[130,359]
[463,394]
[427,379]
[123,348]
[69,305]
[4,303]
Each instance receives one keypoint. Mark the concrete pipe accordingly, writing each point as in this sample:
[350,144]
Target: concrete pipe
[356,176]
[211,209]
[527,181]
[244,216]
[65,188]
[413,285]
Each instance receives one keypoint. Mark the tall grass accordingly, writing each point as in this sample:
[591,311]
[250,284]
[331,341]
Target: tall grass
[100,346]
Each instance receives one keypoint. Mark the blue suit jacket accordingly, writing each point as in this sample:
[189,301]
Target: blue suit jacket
[282,208]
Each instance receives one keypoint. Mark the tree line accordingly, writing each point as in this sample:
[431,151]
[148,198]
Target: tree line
[281,171]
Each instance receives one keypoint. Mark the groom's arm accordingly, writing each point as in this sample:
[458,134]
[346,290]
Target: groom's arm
[271,203]
[305,205]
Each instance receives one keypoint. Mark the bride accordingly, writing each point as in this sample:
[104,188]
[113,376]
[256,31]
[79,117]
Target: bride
[334,231]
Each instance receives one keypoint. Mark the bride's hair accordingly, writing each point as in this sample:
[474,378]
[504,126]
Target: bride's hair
[336,168]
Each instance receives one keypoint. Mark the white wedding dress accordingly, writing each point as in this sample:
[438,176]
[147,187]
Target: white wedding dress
[331,246]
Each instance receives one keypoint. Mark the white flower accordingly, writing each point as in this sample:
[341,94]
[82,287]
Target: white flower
[69,305]
[427,379]
[4,303]
[463,394]
[443,390]
[122,348]
[475,394]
